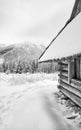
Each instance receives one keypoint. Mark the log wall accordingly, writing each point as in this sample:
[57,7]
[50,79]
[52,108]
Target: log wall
[68,85]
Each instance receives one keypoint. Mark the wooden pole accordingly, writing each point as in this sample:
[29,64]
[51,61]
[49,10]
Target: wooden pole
[60,73]
[80,68]
[69,71]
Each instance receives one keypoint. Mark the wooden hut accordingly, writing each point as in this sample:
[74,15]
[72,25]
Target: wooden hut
[65,48]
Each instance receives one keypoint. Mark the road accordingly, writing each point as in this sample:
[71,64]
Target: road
[32,107]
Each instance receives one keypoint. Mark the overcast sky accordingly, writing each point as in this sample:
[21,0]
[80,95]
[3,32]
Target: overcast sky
[32,20]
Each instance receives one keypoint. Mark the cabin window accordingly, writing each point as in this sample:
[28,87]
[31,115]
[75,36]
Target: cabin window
[77,68]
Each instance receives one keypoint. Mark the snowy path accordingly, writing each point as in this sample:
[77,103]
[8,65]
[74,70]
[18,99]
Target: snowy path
[29,107]
[29,113]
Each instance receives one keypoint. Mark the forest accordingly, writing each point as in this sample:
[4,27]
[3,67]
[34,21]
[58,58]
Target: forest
[19,66]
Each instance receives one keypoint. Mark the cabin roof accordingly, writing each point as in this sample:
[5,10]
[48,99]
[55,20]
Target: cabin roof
[68,43]
[76,10]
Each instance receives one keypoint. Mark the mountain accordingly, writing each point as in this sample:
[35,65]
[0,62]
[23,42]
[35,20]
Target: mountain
[23,52]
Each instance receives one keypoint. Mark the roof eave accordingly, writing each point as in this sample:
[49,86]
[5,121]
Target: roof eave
[63,58]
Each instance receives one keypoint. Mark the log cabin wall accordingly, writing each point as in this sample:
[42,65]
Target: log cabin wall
[70,79]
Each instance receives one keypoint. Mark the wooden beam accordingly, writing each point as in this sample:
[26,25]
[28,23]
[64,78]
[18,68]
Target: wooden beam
[60,72]
[63,77]
[63,70]
[73,84]
[73,97]
[69,71]
[63,64]
[71,89]
[80,68]
[77,82]
[65,74]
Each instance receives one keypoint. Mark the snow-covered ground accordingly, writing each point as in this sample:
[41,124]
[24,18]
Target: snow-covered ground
[27,103]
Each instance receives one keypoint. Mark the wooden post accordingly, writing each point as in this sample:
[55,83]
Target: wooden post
[60,72]
[80,68]
[69,71]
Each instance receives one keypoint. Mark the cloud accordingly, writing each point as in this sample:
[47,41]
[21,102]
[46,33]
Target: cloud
[32,19]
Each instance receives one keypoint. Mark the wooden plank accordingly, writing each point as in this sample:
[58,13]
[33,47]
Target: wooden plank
[64,68]
[64,61]
[71,89]
[63,64]
[73,97]
[66,81]
[72,84]
[77,82]
[76,86]
[63,77]
[65,73]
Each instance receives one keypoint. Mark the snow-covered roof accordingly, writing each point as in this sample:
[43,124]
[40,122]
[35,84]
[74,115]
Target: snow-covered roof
[68,43]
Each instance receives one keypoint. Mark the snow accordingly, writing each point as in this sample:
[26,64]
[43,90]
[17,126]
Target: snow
[68,43]
[70,111]
[21,103]
[30,104]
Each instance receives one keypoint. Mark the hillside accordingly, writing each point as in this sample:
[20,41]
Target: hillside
[20,58]
[24,51]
